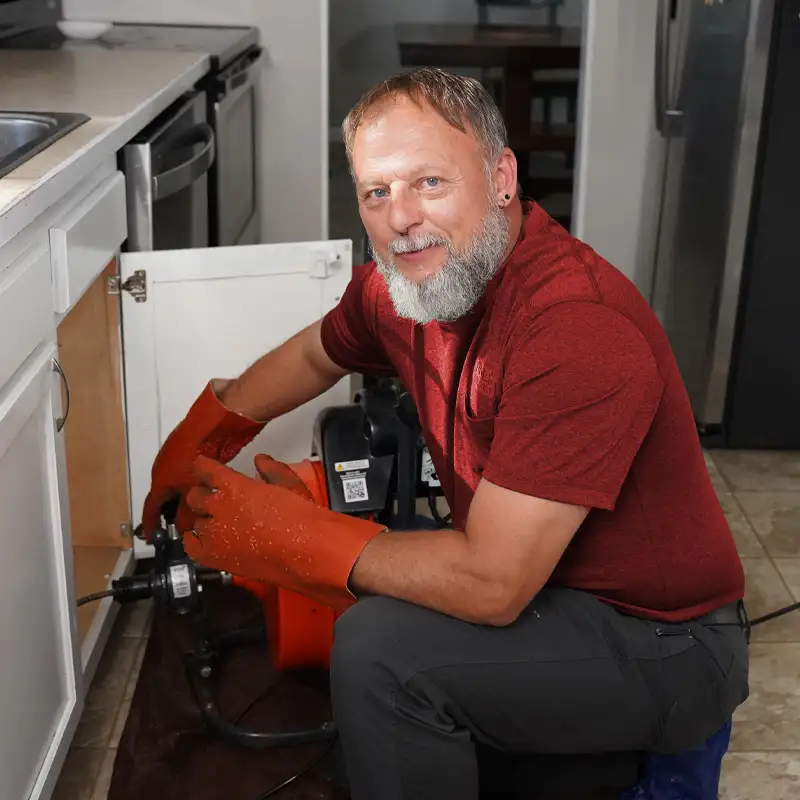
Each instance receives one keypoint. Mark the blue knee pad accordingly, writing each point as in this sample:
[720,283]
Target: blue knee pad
[693,775]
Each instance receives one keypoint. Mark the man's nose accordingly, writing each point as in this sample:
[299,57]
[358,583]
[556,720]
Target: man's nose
[405,210]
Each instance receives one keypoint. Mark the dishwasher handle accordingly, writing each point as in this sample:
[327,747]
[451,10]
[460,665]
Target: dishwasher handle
[173,180]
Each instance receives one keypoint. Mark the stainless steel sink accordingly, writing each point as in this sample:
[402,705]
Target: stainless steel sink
[24,134]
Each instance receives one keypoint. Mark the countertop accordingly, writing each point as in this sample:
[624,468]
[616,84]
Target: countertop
[120,90]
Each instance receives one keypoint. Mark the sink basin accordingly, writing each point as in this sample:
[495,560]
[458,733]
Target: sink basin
[24,134]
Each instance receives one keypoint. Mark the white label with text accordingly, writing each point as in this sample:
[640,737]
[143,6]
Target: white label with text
[348,466]
[181,583]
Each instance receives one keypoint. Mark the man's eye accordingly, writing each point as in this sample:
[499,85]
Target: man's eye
[378,194]
[431,182]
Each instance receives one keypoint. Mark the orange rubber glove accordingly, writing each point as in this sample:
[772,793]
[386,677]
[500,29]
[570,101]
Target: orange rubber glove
[276,473]
[209,429]
[257,530]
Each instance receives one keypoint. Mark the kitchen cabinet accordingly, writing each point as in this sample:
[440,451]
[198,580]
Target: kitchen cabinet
[103,353]
[136,351]
[40,673]
[95,468]
[196,314]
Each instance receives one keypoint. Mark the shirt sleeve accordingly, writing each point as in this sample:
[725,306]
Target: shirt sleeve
[350,334]
[580,389]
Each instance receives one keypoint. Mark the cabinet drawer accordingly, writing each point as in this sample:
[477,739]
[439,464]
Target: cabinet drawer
[26,310]
[86,240]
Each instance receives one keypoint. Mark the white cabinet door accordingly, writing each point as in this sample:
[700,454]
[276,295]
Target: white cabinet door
[210,313]
[39,673]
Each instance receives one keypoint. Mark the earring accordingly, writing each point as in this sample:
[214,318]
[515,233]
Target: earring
[507,196]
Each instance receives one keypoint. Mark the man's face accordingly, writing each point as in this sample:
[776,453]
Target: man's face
[429,209]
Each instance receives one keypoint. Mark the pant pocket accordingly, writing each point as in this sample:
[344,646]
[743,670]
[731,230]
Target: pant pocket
[703,685]
[693,716]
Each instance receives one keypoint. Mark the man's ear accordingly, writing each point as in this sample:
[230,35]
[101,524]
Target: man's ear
[505,176]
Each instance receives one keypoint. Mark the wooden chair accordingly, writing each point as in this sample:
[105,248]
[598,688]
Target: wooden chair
[545,135]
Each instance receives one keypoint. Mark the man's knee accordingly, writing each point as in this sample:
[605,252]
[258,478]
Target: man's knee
[369,642]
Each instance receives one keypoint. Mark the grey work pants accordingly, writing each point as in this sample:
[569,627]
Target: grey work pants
[414,691]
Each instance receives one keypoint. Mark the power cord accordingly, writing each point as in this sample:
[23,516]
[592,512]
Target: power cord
[90,598]
[316,762]
[774,614]
[303,772]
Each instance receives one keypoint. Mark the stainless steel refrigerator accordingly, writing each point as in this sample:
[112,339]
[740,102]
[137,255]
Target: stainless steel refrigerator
[726,264]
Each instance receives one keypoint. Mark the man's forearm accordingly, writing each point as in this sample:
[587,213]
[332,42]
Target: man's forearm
[283,379]
[436,569]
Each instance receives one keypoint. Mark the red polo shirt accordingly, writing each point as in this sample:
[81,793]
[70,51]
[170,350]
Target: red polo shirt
[561,384]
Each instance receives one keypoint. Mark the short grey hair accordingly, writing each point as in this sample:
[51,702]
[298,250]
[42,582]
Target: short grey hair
[458,100]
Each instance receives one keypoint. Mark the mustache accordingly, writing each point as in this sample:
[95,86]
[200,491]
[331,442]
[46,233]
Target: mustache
[407,244]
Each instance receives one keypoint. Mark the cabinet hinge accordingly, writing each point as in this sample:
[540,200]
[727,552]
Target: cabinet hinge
[136,285]
[126,530]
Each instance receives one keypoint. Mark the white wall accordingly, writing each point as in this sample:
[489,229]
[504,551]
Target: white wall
[620,154]
[294,91]
[363,46]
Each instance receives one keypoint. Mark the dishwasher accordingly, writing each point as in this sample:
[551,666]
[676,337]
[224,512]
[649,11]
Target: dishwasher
[167,178]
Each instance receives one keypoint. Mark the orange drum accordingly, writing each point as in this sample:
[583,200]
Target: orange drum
[299,630]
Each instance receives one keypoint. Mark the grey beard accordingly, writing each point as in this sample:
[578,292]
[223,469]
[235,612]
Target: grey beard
[457,286]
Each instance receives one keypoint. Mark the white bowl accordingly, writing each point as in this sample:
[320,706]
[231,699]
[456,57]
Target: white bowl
[83,29]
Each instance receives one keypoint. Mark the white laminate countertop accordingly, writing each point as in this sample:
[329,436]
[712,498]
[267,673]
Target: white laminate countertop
[121,90]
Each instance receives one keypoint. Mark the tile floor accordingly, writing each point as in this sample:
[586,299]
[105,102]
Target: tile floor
[760,493]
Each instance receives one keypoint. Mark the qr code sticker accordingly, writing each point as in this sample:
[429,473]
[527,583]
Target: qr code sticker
[355,490]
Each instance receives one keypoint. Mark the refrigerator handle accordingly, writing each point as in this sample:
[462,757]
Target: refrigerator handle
[667,117]
[661,92]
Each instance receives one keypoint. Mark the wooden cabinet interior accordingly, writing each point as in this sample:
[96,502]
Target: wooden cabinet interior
[89,348]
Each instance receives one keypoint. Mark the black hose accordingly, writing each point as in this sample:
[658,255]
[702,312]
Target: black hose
[774,614]
[90,598]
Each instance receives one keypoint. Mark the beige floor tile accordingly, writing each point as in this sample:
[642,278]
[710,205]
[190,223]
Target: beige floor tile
[96,725]
[717,478]
[760,776]
[127,698]
[789,569]
[775,516]
[79,773]
[770,718]
[747,543]
[114,668]
[104,776]
[119,723]
[134,620]
[766,592]
[107,692]
[759,471]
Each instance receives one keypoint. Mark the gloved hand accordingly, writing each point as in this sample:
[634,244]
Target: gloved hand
[210,429]
[276,473]
[258,530]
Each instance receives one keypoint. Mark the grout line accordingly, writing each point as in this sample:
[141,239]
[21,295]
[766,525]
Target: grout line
[794,597]
[761,752]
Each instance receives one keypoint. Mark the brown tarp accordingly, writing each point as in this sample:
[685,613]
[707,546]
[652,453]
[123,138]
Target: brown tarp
[167,752]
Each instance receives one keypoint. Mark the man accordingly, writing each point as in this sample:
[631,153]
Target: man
[587,596]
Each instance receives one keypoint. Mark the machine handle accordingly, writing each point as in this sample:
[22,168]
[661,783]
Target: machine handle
[170,510]
[62,421]
[173,180]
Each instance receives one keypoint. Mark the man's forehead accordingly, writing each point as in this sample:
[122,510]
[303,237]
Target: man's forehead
[409,136]
[403,111]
